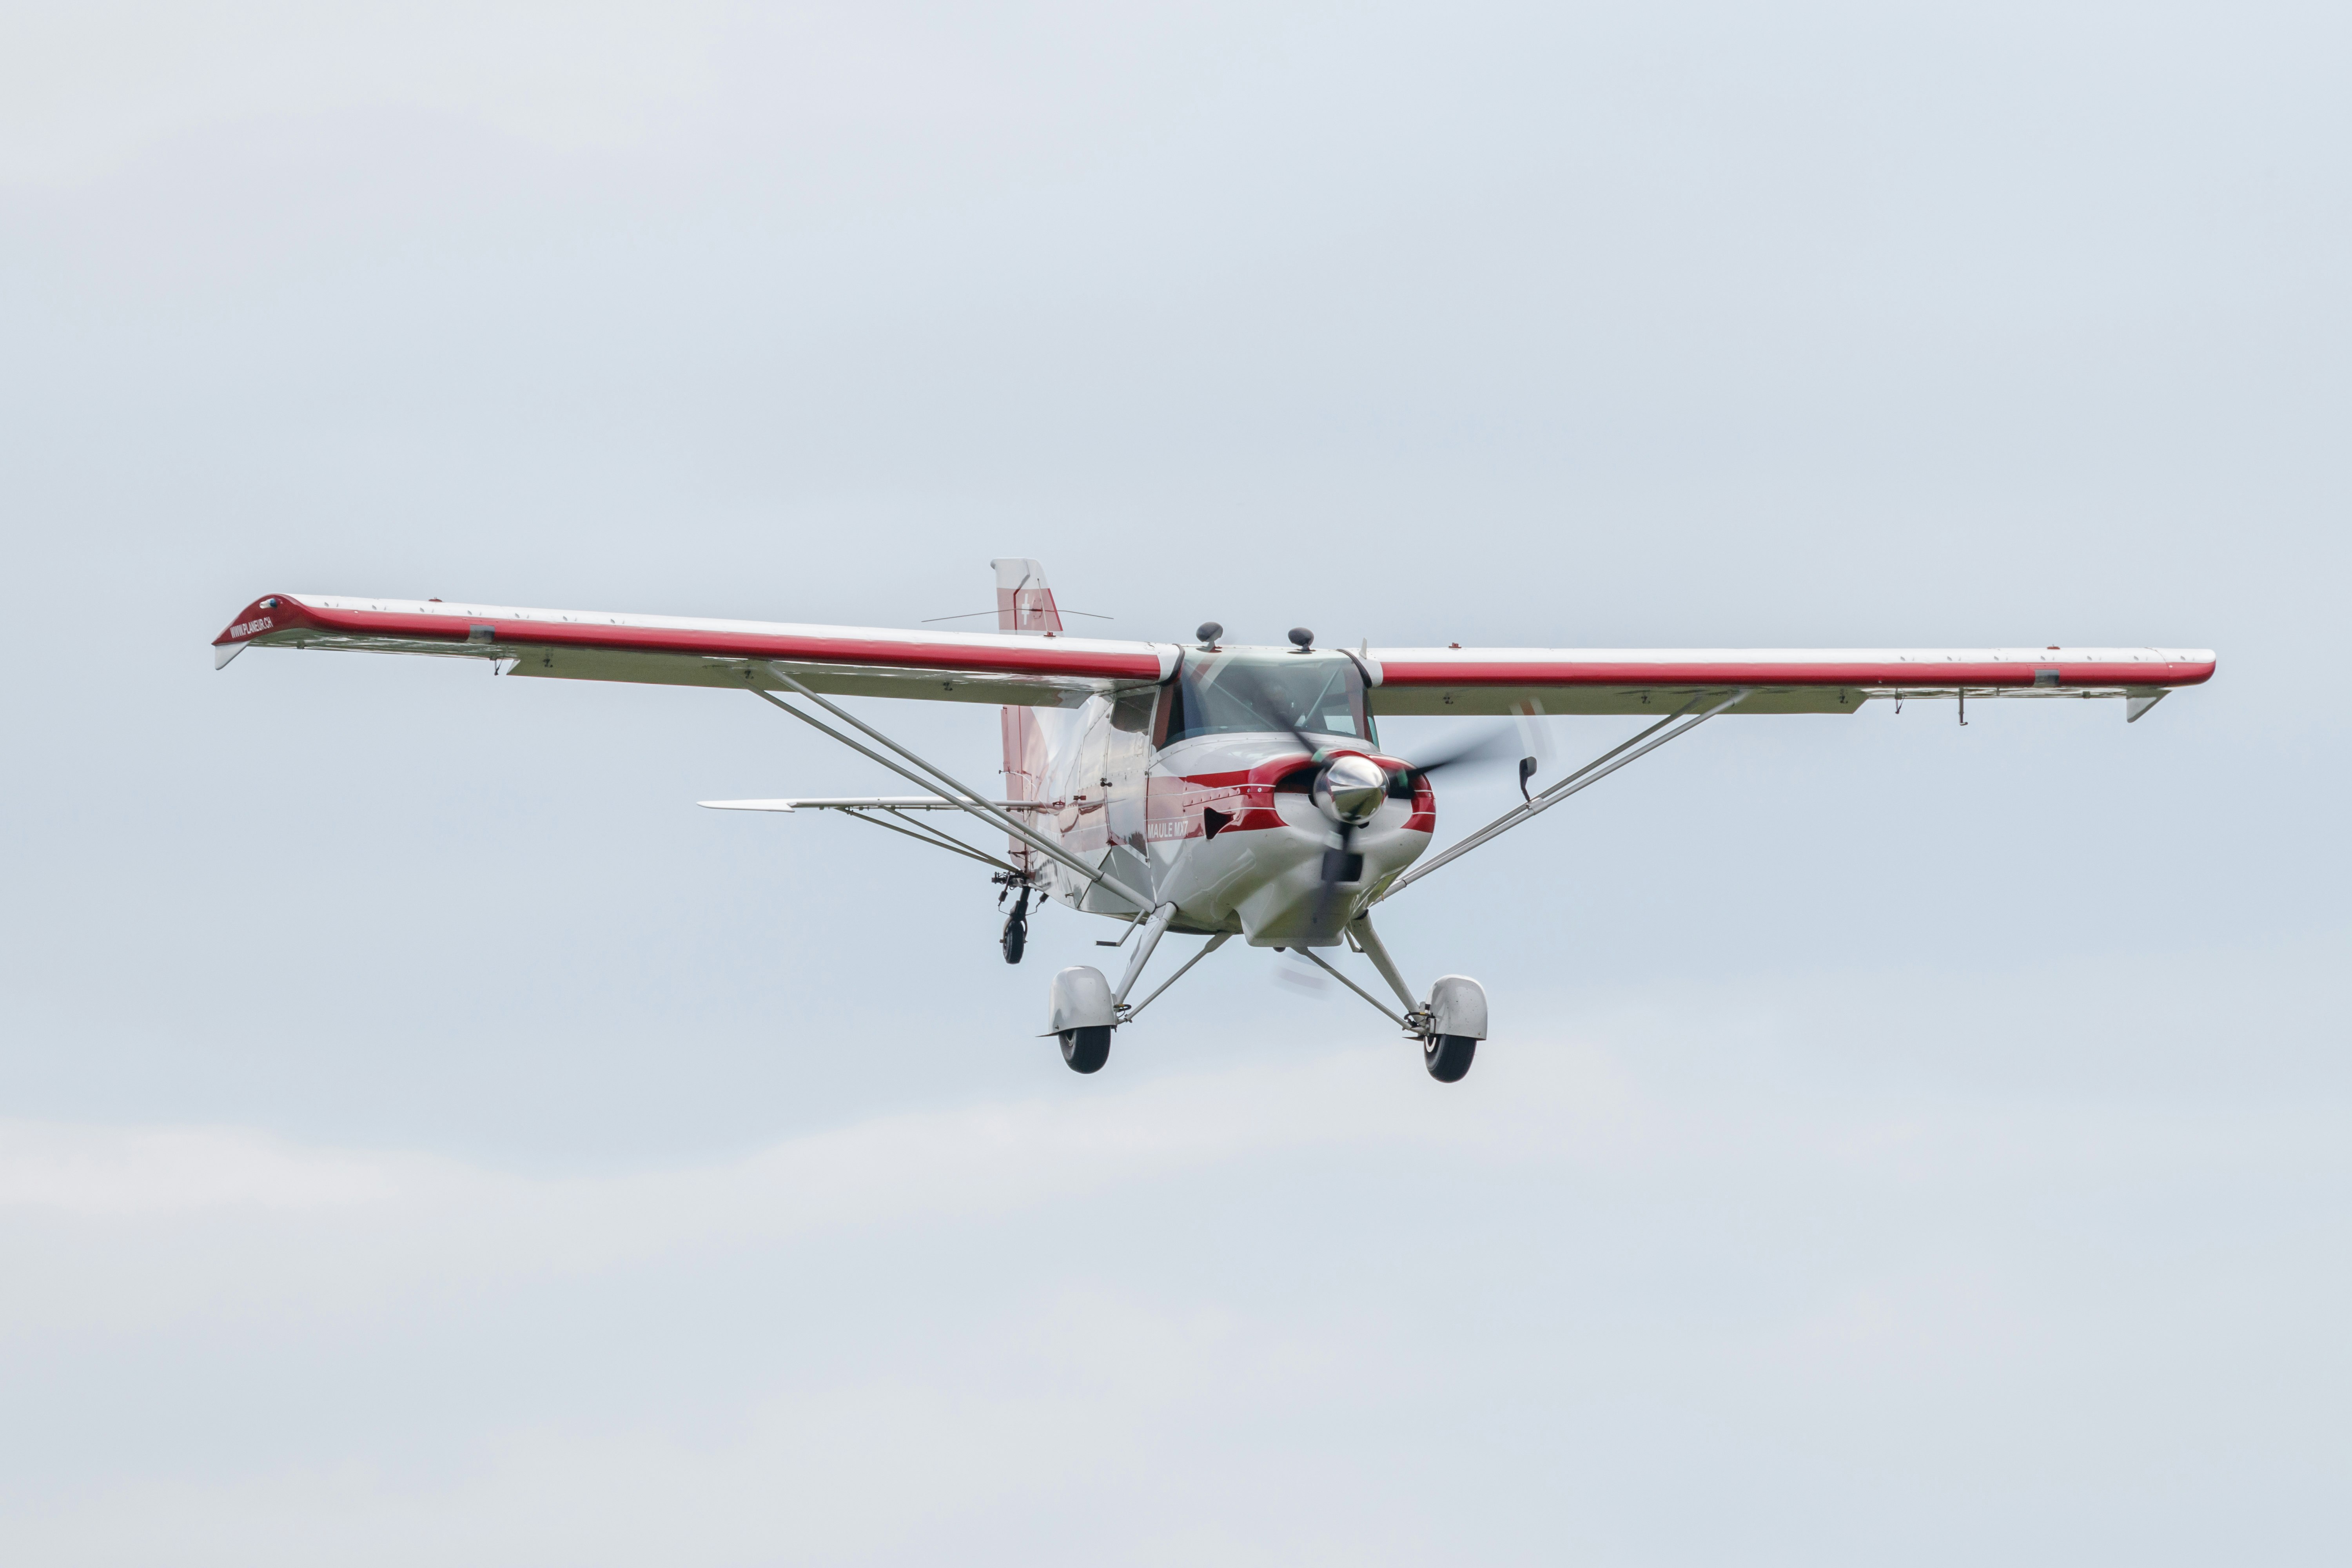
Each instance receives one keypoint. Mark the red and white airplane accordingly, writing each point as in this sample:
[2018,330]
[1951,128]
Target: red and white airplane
[1201,788]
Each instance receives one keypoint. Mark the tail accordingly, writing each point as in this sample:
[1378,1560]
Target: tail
[1024,604]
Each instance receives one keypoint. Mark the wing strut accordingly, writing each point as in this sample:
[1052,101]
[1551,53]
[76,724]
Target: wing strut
[963,796]
[1592,773]
[923,833]
[871,809]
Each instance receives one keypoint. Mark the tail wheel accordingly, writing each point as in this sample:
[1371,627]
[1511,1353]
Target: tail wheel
[1086,1049]
[1447,1055]
[1016,928]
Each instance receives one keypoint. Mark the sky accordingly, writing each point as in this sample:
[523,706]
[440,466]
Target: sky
[423,1133]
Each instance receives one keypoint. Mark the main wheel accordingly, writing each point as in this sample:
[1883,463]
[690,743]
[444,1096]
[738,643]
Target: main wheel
[1447,1055]
[1016,936]
[1086,1049]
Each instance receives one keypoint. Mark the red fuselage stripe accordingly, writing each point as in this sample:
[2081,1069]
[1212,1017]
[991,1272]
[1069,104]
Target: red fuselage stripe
[1173,805]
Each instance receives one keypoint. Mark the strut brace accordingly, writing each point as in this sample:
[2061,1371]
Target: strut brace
[963,796]
[1214,943]
[1308,955]
[1153,930]
[923,833]
[1592,773]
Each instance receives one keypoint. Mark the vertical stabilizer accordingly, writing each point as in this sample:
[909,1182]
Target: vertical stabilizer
[1023,602]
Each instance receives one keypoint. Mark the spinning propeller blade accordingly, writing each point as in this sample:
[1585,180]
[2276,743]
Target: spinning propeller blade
[1492,747]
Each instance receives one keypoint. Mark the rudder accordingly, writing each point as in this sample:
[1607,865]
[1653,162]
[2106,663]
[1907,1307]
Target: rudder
[1025,605]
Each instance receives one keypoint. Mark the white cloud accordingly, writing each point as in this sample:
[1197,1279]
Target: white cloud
[94,1171]
[1321,1291]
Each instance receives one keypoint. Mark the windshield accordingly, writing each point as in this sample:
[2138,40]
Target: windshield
[1251,693]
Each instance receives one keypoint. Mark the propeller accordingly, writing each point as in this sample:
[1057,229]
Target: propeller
[1491,747]
[1350,794]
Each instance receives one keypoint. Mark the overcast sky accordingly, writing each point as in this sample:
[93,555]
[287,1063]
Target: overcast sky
[424,1135]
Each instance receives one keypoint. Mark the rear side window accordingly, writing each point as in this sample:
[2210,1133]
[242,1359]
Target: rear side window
[1131,711]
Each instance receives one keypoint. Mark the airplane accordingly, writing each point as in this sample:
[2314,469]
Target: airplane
[1202,788]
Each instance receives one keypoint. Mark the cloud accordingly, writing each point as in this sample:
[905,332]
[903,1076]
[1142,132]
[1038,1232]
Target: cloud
[1229,1311]
[116,1172]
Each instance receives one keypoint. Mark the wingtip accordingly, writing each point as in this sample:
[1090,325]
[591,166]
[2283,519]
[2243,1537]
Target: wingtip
[224,652]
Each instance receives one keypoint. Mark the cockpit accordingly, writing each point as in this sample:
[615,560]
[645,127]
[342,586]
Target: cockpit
[1257,692]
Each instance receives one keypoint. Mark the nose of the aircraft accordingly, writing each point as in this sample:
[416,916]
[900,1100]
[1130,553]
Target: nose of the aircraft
[1351,789]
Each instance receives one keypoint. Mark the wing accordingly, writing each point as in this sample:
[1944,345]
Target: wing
[1778,680]
[594,645]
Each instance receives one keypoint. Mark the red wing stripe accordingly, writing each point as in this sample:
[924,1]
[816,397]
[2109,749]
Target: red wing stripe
[2107,668]
[809,645]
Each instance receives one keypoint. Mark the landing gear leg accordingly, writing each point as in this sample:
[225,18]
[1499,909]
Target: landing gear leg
[1016,929]
[1085,1009]
[1450,1025]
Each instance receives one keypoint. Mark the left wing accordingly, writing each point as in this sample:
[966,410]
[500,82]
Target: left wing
[1045,671]
[1778,681]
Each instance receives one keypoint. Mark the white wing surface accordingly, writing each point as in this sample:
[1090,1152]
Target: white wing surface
[1037,670]
[1778,681]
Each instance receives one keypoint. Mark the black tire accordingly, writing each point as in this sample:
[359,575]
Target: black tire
[1086,1049]
[1447,1055]
[1016,937]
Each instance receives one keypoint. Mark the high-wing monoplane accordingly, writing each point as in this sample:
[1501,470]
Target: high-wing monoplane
[1201,788]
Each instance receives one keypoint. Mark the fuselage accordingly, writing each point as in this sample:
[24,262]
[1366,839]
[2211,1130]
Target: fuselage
[1189,791]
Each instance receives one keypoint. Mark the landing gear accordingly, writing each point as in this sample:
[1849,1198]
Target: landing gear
[1083,1015]
[1449,1025]
[1085,1009]
[1448,1055]
[1086,1049]
[1016,929]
